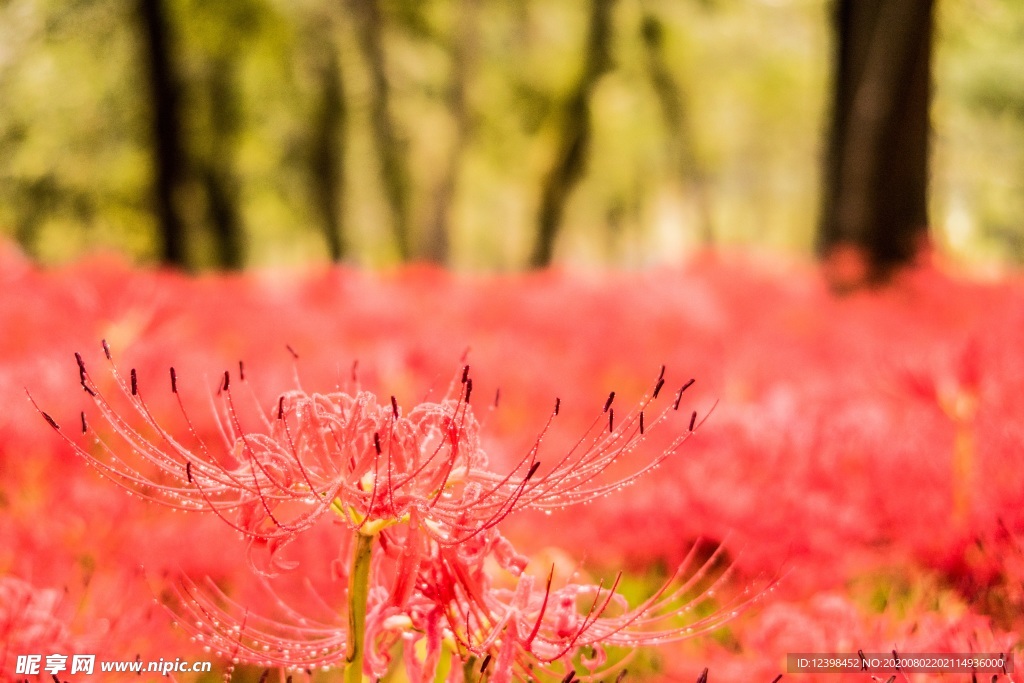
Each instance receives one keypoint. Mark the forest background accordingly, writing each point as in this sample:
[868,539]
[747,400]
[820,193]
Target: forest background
[383,132]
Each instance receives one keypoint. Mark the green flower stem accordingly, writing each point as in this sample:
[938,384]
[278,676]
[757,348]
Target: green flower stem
[444,665]
[469,669]
[358,590]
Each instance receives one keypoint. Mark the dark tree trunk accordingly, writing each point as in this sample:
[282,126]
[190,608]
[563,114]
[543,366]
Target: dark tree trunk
[436,243]
[327,153]
[390,150]
[574,141]
[676,115]
[168,154]
[876,174]
[218,176]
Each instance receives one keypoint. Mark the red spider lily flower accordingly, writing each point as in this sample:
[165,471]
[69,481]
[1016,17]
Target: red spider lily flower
[32,621]
[301,622]
[421,505]
[534,632]
[296,640]
[357,457]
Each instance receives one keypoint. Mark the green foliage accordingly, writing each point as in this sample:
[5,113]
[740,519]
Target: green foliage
[721,145]
[978,178]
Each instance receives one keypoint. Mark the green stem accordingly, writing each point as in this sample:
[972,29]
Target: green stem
[469,669]
[444,665]
[358,590]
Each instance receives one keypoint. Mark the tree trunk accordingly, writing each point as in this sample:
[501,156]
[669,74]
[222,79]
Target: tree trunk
[676,115]
[874,216]
[327,149]
[437,241]
[574,141]
[218,176]
[390,150]
[168,155]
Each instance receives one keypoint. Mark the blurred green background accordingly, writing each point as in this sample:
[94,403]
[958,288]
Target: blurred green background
[439,120]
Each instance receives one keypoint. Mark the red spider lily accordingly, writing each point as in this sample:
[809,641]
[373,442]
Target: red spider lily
[361,459]
[308,628]
[533,632]
[454,610]
[416,484]
[32,621]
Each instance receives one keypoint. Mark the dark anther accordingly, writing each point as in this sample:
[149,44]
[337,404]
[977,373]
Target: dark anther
[483,667]
[558,404]
[569,676]
[291,351]
[88,389]
[174,381]
[897,658]
[85,427]
[394,406]
[81,366]
[863,660]
[611,420]
[658,386]
[376,442]
[621,676]
[241,371]
[188,471]
[265,676]
[55,679]
[641,422]
[679,397]
[280,407]
[687,385]
[465,374]
[135,383]
[777,679]
[227,380]
[703,678]
[693,419]
[533,470]
[106,349]
[608,403]
[469,389]
[497,396]
[661,375]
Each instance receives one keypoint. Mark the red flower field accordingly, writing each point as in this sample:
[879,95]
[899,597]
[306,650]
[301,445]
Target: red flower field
[853,482]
